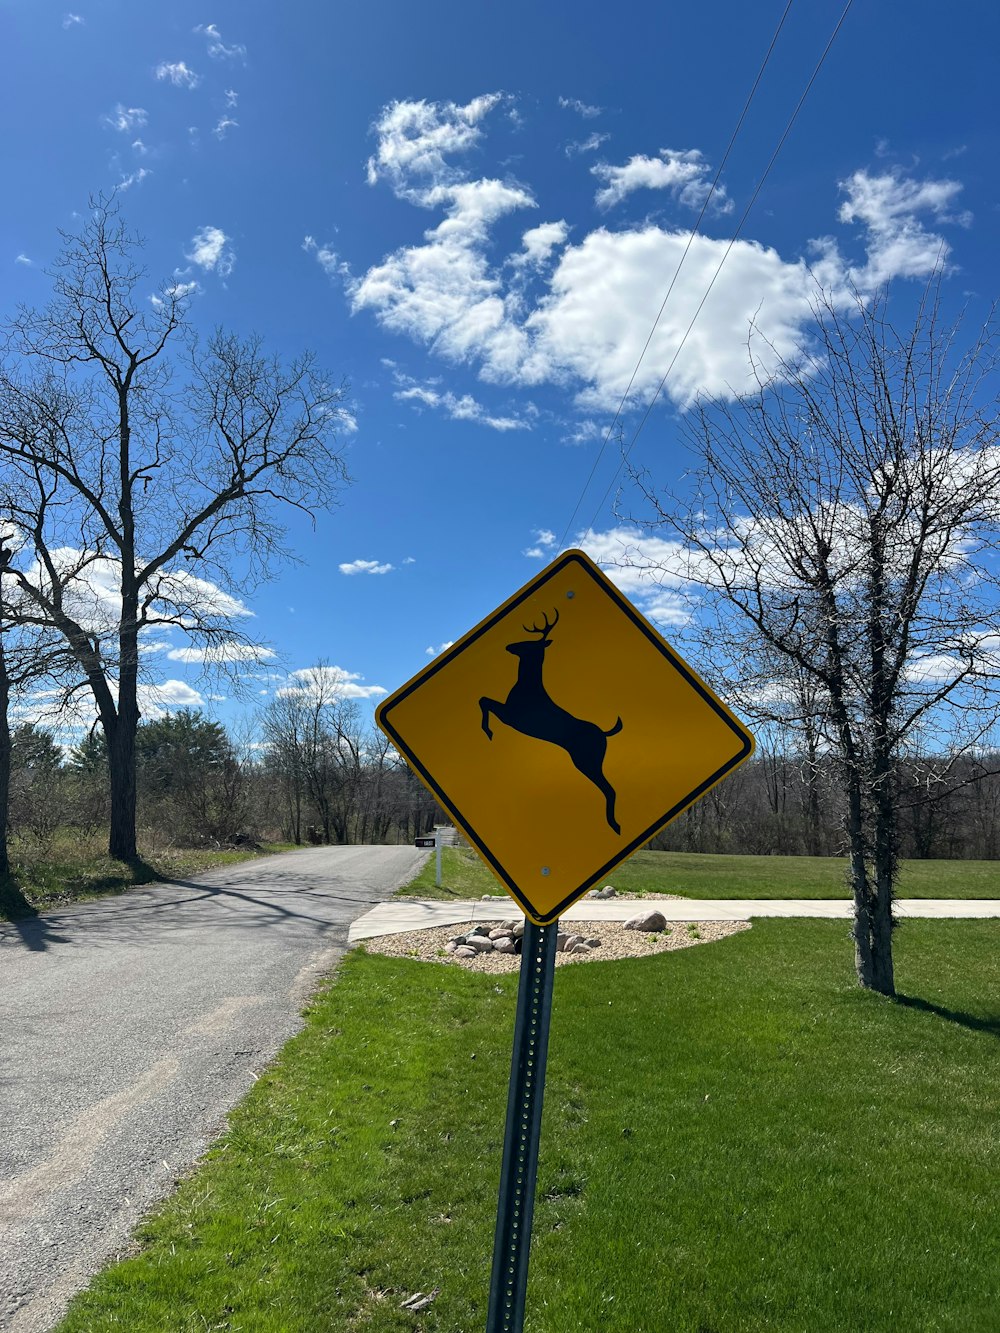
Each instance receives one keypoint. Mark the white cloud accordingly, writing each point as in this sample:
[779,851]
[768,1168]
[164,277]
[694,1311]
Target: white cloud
[125,118]
[650,571]
[538,243]
[581,108]
[544,542]
[72,20]
[178,74]
[225,123]
[210,251]
[409,560]
[70,717]
[183,593]
[23,259]
[684,174]
[157,700]
[92,596]
[433,652]
[414,137]
[364,567]
[889,207]
[458,407]
[580,432]
[443,292]
[232,97]
[134,178]
[139,147]
[588,145]
[179,290]
[330,682]
[605,294]
[586,330]
[327,259]
[213,654]
[217,48]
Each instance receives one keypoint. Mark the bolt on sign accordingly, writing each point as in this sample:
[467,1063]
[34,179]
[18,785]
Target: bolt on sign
[561,733]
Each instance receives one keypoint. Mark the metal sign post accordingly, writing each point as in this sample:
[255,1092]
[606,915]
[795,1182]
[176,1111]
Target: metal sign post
[437,854]
[512,1242]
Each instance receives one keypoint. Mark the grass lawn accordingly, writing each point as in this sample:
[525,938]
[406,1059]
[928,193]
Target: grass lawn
[735,1138]
[697,875]
[72,869]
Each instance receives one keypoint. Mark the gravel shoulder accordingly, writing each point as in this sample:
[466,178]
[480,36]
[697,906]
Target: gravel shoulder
[615,941]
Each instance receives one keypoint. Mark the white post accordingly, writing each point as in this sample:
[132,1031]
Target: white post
[437,853]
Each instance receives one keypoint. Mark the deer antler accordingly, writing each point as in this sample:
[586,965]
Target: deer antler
[546,628]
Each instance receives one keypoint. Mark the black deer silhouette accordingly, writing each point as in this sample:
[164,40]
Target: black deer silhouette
[529,709]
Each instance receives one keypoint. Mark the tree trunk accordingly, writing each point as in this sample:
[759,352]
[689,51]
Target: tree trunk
[886,833]
[4,759]
[863,929]
[872,929]
[121,757]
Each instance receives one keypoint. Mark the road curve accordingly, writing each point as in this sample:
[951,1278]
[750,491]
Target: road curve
[130,1026]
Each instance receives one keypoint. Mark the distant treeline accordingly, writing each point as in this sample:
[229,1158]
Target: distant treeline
[198,786]
[310,771]
[783,805]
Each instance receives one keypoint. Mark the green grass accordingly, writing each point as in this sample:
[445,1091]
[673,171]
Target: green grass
[697,875]
[72,869]
[463,875]
[735,1139]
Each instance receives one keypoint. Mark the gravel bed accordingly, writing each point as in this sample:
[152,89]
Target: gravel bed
[616,942]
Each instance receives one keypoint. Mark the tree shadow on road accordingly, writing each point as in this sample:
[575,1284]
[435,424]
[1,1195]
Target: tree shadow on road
[974,1022]
[23,919]
[13,904]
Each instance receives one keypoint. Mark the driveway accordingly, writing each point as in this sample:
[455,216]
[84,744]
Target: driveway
[130,1026]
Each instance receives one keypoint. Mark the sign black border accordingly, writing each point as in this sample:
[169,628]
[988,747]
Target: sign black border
[587,567]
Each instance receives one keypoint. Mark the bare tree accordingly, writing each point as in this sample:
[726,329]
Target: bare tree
[157,470]
[843,518]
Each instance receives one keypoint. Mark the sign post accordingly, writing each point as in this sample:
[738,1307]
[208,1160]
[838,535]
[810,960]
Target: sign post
[512,1240]
[557,765]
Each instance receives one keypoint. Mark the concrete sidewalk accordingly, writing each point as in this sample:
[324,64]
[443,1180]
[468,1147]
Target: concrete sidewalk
[401,915]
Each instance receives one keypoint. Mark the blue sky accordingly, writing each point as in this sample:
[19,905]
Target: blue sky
[472,214]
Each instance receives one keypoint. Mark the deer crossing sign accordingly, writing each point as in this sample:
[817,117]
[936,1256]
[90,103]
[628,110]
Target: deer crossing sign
[561,733]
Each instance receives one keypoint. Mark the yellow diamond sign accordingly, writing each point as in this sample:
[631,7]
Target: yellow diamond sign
[561,733]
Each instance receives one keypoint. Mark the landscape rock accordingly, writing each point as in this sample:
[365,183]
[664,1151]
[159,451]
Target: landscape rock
[648,922]
[451,946]
[581,946]
[463,951]
[607,892]
[518,930]
[505,945]
[500,933]
[592,944]
[479,943]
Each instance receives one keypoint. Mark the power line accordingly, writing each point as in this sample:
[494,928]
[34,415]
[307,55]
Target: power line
[680,264]
[746,213]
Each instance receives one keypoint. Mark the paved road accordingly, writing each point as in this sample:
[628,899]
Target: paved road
[130,1026]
